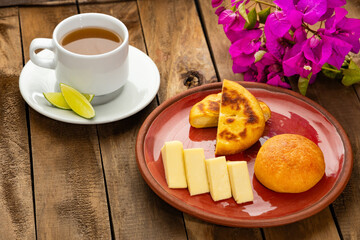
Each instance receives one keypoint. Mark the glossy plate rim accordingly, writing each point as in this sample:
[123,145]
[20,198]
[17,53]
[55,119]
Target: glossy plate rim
[325,201]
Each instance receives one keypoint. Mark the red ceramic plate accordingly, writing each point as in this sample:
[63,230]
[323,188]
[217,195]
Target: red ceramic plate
[290,113]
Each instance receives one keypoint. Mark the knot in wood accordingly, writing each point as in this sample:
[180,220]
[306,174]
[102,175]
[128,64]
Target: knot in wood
[192,79]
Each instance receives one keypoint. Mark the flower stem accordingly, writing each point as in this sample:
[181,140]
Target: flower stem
[266,3]
[309,29]
[330,69]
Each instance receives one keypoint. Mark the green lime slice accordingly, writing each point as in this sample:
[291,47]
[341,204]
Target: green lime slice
[77,102]
[89,97]
[58,100]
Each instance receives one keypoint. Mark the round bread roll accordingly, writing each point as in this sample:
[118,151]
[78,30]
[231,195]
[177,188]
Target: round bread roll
[289,163]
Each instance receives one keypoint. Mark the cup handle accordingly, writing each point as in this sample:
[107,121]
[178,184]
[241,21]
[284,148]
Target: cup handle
[42,43]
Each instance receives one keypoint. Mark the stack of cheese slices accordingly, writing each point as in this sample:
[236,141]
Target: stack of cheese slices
[188,168]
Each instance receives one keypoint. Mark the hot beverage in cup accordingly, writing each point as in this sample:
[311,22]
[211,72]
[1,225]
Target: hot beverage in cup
[91,41]
[90,54]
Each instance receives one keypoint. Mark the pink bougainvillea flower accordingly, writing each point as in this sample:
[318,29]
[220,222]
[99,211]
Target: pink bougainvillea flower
[331,5]
[276,26]
[340,49]
[288,45]
[335,3]
[343,28]
[242,51]
[219,10]
[295,61]
[273,71]
[277,81]
[237,2]
[239,69]
[252,74]
[216,3]
[267,70]
[317,50]
[298,11]
[233,24]
[278,38]
[227,17]
[307,56]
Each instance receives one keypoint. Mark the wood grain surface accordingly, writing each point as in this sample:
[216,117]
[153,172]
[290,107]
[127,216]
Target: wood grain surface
[176,42]
[16,199]
[343,103]
[6,3]
[318,224]
[218,43]
[137,213]
[81,182]
[70,194]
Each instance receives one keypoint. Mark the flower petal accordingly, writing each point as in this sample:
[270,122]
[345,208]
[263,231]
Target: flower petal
[276,81]
[312,9]
[216,3]
[239,69]
[340,49]
[226,17]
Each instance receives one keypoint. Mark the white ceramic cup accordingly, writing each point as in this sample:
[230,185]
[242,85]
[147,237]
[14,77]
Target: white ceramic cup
[101,74]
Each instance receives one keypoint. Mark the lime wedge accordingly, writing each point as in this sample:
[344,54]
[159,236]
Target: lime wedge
[58,100]
[89,97]
[77,102]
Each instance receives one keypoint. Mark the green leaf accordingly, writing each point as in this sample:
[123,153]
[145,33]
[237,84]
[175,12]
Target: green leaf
[351,75]
[291,32]
[259,55]
[331,71]
[303,84]
[345,64]
[233,8]
[252,19]
[242,11]
[353,65]
[263,14]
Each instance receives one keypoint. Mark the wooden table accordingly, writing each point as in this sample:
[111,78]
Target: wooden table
[64,181]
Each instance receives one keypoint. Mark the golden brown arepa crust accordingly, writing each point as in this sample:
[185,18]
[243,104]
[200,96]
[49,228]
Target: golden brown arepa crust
[289,163]
[205,113]
[241,120]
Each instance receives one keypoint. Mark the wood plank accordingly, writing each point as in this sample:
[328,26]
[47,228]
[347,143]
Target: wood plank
[137,213]
[219,43]
[345,107]
[6,3]
[70,193]
[102,1]
[198,229]
[176,42]
[16,197]
[322,226]
[343,103]
[353,8]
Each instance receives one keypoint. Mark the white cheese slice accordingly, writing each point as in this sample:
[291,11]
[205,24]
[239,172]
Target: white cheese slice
[240,181]
[218,178]
[173,160]
[195,171]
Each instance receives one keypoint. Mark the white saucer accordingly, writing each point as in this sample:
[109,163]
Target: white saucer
[137,93]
